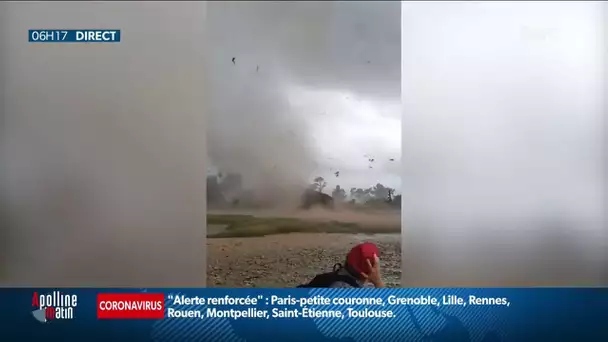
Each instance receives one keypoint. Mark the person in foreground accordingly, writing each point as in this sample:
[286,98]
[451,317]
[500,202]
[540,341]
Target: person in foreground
[361,269]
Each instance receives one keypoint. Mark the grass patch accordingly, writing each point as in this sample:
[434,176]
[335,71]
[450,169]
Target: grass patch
[251,226]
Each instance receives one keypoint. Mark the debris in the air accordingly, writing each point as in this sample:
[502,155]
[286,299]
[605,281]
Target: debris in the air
[368,62]
[370,167]
[371,160]
[337,173]
[392,159]
[234,60]
[257,68]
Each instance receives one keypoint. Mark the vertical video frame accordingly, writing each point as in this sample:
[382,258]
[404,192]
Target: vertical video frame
[304,140]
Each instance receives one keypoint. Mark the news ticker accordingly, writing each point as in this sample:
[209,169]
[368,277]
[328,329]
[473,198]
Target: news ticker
[160,306]
[402,314]
[73,36]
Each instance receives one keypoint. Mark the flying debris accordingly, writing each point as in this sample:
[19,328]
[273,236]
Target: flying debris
[392,159]
[371,160]
[337,173]
[370,167]
[234,60]
[368,62]
[257,68]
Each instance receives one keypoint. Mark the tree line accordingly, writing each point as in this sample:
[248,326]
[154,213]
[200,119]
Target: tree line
[375,194]
[228,188]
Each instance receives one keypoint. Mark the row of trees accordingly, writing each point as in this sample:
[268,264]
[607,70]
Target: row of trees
[376,193]
[228,189]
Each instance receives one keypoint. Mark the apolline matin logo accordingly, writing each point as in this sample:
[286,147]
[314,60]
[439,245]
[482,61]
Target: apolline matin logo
[53,306]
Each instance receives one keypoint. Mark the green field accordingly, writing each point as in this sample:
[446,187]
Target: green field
[227,226]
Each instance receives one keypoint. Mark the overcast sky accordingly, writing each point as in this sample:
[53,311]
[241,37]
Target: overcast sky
[315,89]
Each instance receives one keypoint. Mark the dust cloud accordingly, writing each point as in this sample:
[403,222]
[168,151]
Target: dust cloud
[253,130]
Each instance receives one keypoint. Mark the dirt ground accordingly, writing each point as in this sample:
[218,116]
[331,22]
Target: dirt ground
[288,260]
[376,217]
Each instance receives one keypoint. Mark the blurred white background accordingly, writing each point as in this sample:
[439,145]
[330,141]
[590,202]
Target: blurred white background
[503,143]
[102,150]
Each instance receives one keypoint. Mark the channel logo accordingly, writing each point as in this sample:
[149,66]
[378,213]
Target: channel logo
[53,306]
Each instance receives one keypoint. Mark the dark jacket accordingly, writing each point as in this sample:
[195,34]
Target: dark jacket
[343,284]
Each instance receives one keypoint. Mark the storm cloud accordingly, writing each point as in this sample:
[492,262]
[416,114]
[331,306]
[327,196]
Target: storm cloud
[298,67]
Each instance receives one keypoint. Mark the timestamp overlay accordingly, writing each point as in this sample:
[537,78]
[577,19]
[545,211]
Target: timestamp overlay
[73,36]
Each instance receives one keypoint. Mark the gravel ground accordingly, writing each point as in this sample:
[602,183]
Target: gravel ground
[285,261]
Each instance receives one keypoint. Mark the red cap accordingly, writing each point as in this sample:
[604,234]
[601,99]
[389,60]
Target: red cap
[358,256]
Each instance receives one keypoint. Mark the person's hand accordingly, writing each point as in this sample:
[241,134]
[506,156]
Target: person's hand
[373,275]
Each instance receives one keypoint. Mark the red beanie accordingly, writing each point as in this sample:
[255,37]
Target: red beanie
[358,256]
